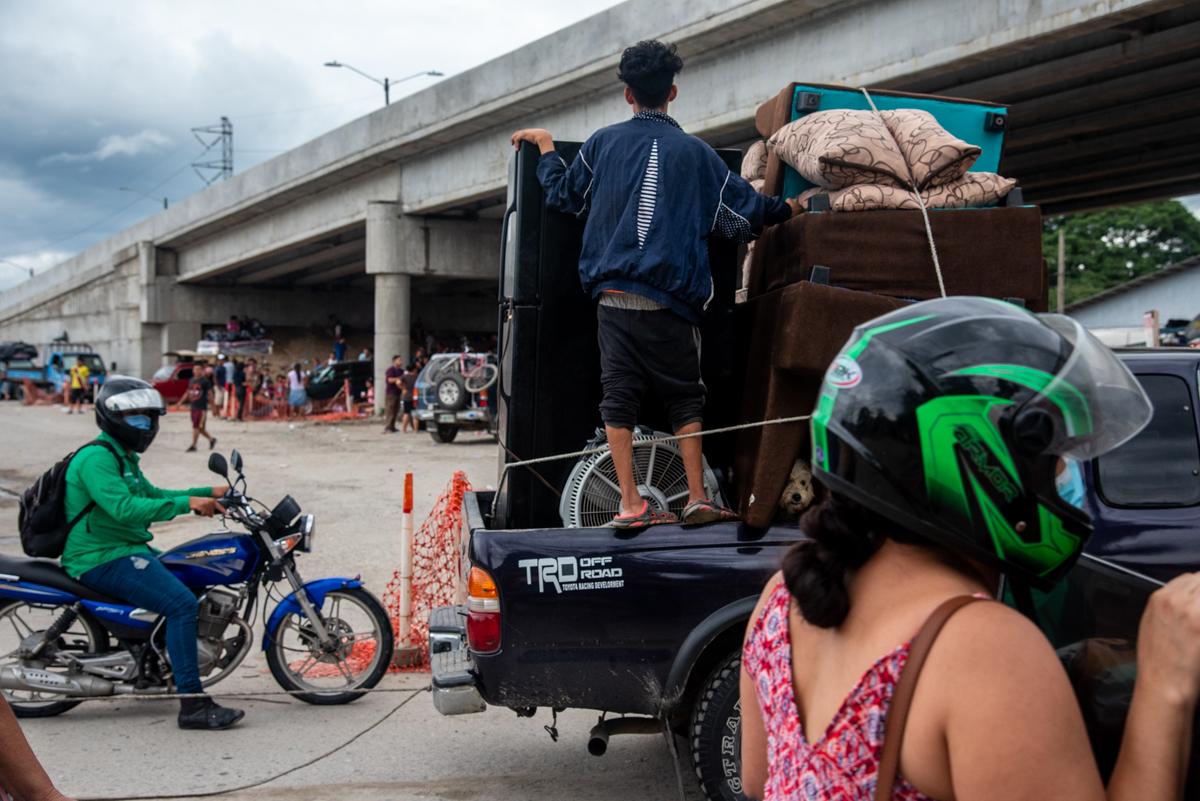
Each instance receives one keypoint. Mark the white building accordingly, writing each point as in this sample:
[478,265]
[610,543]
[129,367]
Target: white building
[1174,291]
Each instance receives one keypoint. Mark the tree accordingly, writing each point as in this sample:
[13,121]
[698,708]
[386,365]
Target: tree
[1109,247]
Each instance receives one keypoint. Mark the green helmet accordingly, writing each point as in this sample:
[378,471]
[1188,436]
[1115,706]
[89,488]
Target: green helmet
[950,416]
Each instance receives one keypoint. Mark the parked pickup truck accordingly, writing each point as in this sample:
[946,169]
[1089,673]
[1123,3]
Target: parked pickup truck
[57,359]
[648,625]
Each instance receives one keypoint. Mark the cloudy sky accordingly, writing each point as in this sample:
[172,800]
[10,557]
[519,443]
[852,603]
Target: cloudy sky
[100,96]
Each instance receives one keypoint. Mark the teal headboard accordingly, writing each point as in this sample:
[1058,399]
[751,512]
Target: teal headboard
[982,124]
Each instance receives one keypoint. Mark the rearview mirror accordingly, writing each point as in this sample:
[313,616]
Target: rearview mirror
[216,464]
[236,458]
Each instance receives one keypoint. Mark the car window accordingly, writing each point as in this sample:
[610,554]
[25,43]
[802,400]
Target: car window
[1161,465]
[324,374]
[164,373]
[1091,618]
[185,374]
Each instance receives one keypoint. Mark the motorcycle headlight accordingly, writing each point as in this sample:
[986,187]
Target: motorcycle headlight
[301,537]
[308,528]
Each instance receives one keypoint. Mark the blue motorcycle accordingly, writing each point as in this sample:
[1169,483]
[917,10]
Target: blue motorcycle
[326,640]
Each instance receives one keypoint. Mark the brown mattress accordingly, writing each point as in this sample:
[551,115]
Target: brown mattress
[793,334]
[993,252]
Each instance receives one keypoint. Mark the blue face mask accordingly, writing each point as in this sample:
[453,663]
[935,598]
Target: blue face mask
[1069,484]
[141,422]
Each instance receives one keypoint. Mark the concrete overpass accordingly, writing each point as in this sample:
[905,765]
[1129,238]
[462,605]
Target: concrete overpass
[395,216]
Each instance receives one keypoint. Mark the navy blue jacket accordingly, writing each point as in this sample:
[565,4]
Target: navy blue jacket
[652,195]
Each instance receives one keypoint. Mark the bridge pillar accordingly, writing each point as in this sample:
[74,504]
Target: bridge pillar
[395,248]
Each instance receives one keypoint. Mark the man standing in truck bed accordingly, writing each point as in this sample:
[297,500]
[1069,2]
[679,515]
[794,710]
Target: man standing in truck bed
[652,195]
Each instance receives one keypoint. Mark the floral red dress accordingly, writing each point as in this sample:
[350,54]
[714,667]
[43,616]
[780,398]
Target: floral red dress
[841,765]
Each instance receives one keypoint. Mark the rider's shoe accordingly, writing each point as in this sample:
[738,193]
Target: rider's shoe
[205,713]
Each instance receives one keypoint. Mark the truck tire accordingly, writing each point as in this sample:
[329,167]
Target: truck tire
[716,732]
[443,433]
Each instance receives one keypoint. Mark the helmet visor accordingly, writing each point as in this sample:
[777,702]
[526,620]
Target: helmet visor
[1102,405]
[145,399]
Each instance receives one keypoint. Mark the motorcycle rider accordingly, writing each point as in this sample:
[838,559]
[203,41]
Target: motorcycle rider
[108,550]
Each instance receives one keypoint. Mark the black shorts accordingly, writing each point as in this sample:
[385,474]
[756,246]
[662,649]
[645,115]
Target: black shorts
[408,405]
[77,395]
[644,349]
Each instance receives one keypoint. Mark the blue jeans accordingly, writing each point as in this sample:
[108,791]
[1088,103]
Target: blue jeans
[141,580]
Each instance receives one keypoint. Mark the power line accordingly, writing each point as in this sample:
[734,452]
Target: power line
[116,213]
[303,108]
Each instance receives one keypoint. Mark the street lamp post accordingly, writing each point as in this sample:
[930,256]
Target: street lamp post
[143,194]
[386,83]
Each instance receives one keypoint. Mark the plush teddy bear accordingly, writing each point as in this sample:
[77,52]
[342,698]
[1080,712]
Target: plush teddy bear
[798,493]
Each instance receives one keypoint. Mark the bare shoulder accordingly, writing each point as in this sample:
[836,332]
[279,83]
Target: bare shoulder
[989,630]
[772,583]
[997,690]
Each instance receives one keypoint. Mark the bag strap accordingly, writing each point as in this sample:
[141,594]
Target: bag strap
[92,504]
[902,696]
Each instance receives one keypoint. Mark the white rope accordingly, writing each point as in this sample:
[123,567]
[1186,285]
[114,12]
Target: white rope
[117,698]
[937,265]
[655,441]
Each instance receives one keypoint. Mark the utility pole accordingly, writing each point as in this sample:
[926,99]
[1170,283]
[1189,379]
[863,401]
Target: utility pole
[1062,268]
[210,136]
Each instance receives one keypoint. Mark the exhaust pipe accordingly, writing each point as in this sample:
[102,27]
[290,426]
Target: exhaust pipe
[43,681]
[598,738]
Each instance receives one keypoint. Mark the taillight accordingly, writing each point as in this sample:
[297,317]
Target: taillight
[483,398]
[483,612]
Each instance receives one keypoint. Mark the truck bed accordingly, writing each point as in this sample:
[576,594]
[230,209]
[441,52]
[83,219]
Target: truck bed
[615,620]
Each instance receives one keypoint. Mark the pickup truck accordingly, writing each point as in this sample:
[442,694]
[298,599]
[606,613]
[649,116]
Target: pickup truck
[648,625]
[57,358]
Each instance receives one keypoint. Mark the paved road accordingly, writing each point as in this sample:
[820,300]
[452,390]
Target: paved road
[349,475]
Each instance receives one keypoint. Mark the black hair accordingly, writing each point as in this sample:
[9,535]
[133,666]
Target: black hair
[648,68]
[843,535]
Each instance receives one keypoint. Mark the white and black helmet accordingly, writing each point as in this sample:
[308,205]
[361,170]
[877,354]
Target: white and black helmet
[121,395]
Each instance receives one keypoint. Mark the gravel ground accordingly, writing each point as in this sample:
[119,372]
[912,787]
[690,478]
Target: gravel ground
[389,745]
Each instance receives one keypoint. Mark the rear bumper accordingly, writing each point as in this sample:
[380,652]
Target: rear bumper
[479,417]
[455,691]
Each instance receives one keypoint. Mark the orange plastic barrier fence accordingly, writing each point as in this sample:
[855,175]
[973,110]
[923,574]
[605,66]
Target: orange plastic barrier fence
[436,566]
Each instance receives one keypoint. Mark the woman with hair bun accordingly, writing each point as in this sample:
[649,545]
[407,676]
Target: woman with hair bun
[940,437]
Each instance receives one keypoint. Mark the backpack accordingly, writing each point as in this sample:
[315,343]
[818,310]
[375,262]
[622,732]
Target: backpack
[42,519]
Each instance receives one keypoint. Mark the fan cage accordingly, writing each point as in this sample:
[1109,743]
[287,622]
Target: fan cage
[592,495]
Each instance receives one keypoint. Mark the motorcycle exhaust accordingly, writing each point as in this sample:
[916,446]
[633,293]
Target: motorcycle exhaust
[43,681]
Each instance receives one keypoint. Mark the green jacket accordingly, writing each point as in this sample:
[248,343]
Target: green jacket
[126,504]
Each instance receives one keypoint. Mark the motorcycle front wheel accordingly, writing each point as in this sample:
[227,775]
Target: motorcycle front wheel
[360,655]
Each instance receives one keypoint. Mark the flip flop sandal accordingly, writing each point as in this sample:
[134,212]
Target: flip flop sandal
[643,519]
[699,513]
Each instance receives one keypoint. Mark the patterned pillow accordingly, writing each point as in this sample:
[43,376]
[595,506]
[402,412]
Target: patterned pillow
[869,197]
[754,163]
[934,156]
[972,189]
[839,148]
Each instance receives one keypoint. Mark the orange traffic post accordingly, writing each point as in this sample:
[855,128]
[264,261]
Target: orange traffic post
[406,562]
